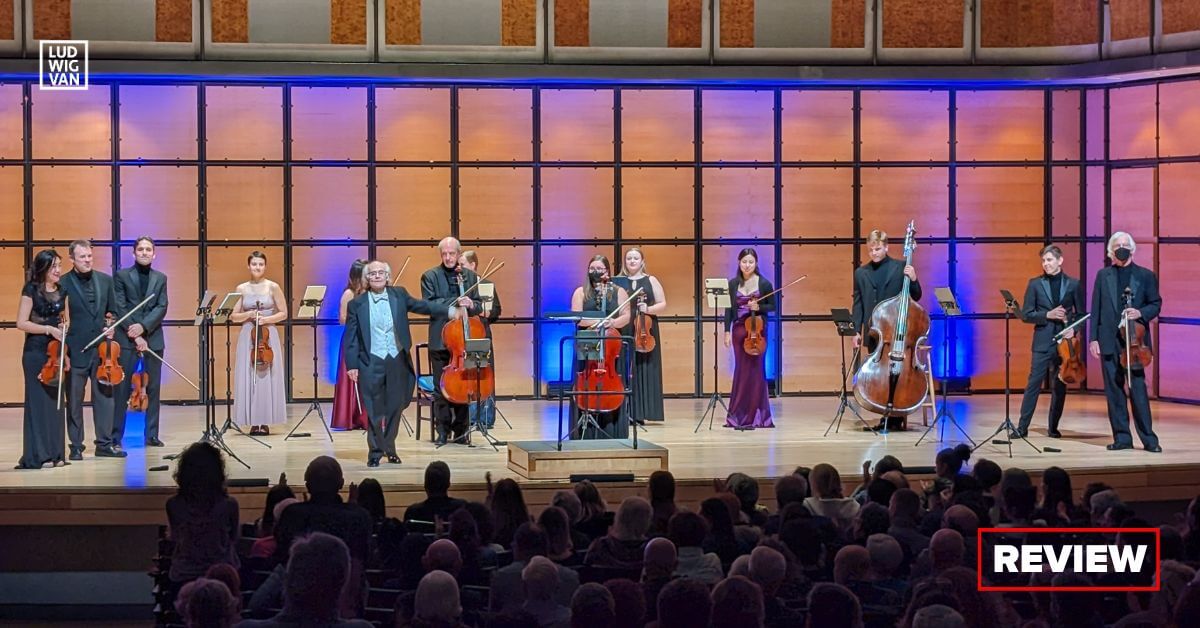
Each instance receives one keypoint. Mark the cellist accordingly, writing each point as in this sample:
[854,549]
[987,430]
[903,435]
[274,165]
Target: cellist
[749,403]
[598,294]
[491,313]
[1049,299]
[440,284]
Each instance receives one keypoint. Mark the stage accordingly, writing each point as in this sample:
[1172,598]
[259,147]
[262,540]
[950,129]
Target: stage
[126,491]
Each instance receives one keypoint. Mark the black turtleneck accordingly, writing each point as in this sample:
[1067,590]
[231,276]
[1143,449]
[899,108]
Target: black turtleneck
[1055,288]
[89,291]
[878,272]
[1123,274]
[143,278]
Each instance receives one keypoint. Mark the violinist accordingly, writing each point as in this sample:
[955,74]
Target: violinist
[142,330]
[348,411]
[1050,299]
[878,280]
[749,402]
[376,346]
[599,294]
[441,284]
[91,298]
[491,313]
[647,364]
[1109,313]
[40,315]
[258,393]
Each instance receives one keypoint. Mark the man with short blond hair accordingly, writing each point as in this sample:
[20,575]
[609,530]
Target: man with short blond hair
[89,298]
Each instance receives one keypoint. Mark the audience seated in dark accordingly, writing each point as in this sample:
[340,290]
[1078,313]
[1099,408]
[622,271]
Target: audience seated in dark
[437,602]
[569,502]
[593,606]
[437,503]
[661,487]
[658,568]
[207,603]
[509,512]
[768,569]
[595,519]
[507,590]
[557,526]
[369,495]
[833,606]
[684,603]
[737,603]
[265,524]
[202,519]
[477,559]
[623,546]
[721,539]
[687,530]
[265,547]
[629,603]
[905,514]
[827,499]
[318,571]
[745,488]
[789,489]
[541,584]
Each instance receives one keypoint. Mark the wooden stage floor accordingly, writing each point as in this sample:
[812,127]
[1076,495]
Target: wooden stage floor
[798,439]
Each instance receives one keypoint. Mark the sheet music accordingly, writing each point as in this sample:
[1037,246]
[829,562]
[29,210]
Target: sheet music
[312,294]
[716,290]
[487,291]
[221,314]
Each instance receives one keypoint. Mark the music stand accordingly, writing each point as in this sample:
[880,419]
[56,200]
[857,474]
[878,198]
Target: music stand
[310,304]
[950,308]
[1010,306]
[211,435]
[581,335]
[221,317]
[477,355]
[845,329]
[716,292]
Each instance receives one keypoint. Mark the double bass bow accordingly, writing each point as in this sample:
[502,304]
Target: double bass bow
[892,379]
[755,342]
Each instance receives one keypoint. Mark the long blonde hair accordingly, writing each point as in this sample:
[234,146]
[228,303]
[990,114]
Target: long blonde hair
[624,269]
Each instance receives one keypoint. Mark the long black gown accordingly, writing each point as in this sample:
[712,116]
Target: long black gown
[45,426]
[647,367]
[613,424]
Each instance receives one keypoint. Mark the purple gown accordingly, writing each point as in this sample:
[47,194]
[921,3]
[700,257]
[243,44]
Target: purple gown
[749,403]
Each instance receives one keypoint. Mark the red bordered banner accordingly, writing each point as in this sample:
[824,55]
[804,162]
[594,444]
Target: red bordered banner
[982,533]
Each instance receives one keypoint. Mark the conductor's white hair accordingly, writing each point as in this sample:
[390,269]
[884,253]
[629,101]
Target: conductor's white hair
[1112,242]
[386,266]
[452,241]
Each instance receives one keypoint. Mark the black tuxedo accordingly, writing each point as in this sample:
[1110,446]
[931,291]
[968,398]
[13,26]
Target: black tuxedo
[867,295]
[127,289]
[87,321]
[437,285]
[385,384]
[1107,305]
[1039,300]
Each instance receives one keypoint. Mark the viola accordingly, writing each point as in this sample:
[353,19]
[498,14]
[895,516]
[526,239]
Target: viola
[263,355]
[56,363]
[462,383]
[601,375]
[1072,370]
[643,330]
[1135,355]
[109,372]
[137,394]
[892,380]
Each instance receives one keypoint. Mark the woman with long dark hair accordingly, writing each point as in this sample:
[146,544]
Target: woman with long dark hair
[507,504]
[202,518]
[599,295]
[749,402]
[41,315]
[1058,499]
[348,412]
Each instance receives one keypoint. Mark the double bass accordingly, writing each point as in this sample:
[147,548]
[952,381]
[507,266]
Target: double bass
[892,379]
[463,383]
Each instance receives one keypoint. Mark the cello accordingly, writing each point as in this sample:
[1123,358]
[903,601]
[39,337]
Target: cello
[463,383]
[892,380]
[600,375]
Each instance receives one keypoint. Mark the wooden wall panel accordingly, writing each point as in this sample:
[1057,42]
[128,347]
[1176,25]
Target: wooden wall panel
[685,23]
[932,262]
[72,124]
[1177,277]
[402,22]
[230,21]
[181,264]
[572,22]
[327,266]
[420,258]
[738,125]
[496,203]
[829,267]
[513,347]
[1132,202]
[1180,16]
[672,265]
[817,125]
[1007,24]
[514,282]
[983,269]
[158,121]
[739,203]
[348,22]
[173,20]
[1095,117]
[1000,125]
[679,357]
[1132,122]
[183,352]
[812,357]
[983,355]
[1065,106]
[1179,119]
[1001,201]
[923,23]
[13,281]
[300,353]
[1176,345]
[412,203]
[12,389]
[412,124]
[1128,19]
[52,19]
[657,125]
[329,203]
[1178,203]
[244,203]
[244,122]
[161,201]
[12,122]
[818,202]
[518,22]
[563,269]
[905,125]
[12,203]
[7,22]
[1096,192]
[577,203]
[1064,202]
[736,24]
[848,24]
[658,202]
[495,124]
[329,123]
[71,202]
[577,125]
[892,196]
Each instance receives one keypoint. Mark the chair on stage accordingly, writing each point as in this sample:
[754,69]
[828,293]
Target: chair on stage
[424,389]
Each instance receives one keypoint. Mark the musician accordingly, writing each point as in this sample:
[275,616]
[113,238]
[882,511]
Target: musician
[376,347]
[749,402]
[141,331]
[1050,299]
[441,283]
[348,413]
[491,313]
[874,282]
[40,315]
[259,399]
[91,298]
[1108,334]
[599,294]
[647,367]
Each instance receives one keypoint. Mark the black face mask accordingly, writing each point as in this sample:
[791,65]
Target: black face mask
[1123,254]
[596,275]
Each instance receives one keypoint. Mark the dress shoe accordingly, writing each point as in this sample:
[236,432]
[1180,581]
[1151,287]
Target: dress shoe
[76,454]
[1115,447]
[394,459]
[154,442]
[441,438]
[1154,449]
[1054,434]
[109,452]
[1015,434]
[373,462]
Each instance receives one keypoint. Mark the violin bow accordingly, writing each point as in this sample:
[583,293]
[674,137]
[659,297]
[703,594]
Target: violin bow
[160,359]
[484,276]
[781,289]
[120,320]
[62,355]
[400,274]
[619,307]
[489,265]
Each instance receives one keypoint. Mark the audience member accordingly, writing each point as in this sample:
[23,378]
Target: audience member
[207,603]
[507,590]
[828,500]
[833,606]
[265,547]
[662,500]
[202,519]
[737,603]
[658,568]
[593,606]
[557,525]
[507,504]
[624,543]
[540,580]
[684,603]
[437,504]
[594,519]
[629,603]
[437,603]
[687,530]
[317,575]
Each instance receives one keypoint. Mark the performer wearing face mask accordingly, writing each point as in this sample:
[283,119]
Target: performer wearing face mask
[599,294]
[1108,312]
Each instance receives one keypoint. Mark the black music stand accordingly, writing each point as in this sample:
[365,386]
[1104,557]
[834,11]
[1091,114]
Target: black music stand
[716,291]
[478,354]
[1007,428]
[309,306]
[211,434]
[949,304]
[845,329]
[586,342]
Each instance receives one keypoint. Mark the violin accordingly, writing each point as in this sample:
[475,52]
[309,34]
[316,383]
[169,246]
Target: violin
[263,355]
[892,380]
[109,372]
[56,363]
[464,383]
[755,342]
[643,330]
[1136,354]
[1070,350]
[137,394]
[601,375]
